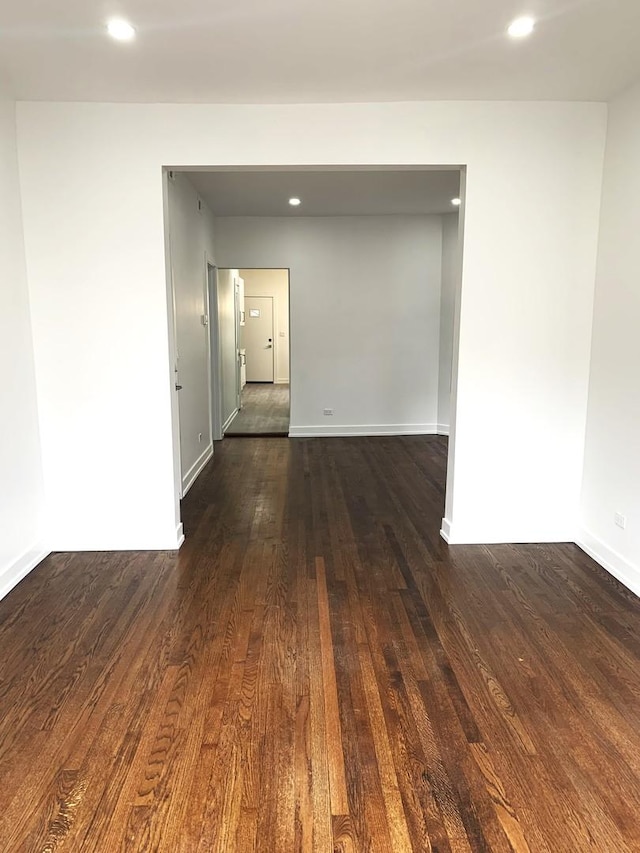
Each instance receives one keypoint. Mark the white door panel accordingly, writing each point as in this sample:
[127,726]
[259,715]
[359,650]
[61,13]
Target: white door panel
[258,338]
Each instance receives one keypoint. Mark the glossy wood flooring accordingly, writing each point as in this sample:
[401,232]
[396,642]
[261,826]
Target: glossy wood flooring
[265,411]
[316,671]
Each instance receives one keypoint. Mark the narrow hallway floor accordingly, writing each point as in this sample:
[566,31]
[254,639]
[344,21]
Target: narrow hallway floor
[265,411]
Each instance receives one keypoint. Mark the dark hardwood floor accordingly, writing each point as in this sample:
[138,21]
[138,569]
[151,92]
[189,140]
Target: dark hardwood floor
[265,411]
[317,671]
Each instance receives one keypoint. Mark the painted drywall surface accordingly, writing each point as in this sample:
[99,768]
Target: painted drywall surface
[100,313]
[365,297]
[228,345]
[447,305]
[21,534]
[612,455]
[100,321]
[191,247]
[273,282]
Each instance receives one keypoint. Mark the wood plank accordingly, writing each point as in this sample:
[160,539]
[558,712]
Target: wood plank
[335,754]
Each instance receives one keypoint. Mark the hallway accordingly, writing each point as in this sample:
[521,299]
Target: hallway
[317,671]
[265,411]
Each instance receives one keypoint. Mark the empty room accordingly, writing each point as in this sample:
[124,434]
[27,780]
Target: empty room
[404,615]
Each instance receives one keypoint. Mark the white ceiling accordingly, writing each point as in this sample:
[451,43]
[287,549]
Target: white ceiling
[257,51]
[328,193]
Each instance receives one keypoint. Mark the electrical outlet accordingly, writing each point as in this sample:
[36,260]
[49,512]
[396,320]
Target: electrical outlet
[620,520]
[328,412]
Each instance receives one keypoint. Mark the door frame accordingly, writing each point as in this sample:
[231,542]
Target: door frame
[214,360]
[173,349]
[236,314]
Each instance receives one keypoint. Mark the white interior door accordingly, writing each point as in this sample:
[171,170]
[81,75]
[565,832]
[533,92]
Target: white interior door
[258,338]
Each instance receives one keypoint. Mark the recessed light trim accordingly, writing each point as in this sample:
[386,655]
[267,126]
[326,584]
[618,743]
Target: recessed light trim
[120,29]
[294,202]
[456,202]
[521,27]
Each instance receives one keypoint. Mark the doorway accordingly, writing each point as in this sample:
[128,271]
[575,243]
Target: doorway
[377,373]
[264,355]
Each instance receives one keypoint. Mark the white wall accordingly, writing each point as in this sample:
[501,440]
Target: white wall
[191,247]
[228,343]
[365,303]
[100,318]
[21,534]
[612,456]
[450,281]
[275,283]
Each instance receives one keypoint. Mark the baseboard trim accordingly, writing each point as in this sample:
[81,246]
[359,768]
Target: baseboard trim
[20,569]
[281,382]
[192,474]
[442,429]
[343,431]
[445,530]
[611,561]
[170,542]
[229,419]
[455,534]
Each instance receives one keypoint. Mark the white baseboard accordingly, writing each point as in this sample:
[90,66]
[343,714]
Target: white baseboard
[627,573]
[442,429]
[339,431]
[229,419]
[192,474]
[456,534]
[156,542]
[281,382]
[445,530]
[18,570]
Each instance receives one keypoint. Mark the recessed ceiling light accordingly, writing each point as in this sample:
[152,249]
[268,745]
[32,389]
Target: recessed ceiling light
[521,27]
[456,202]
[294,202]
[120,29]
